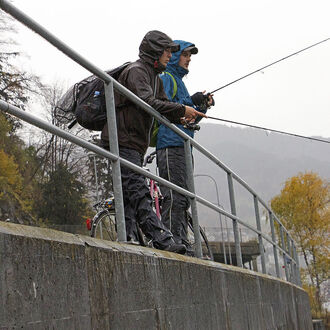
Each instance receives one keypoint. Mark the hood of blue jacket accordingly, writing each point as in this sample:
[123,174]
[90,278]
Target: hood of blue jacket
[173,64]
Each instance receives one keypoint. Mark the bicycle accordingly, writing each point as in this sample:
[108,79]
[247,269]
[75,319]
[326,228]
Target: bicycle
[103,224]
[157,201]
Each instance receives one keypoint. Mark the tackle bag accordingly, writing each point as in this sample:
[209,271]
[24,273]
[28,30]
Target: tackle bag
[85,101]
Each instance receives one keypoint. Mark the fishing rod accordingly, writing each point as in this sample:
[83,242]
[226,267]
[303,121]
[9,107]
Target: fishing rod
[251,73]
[269,129]
[267,66]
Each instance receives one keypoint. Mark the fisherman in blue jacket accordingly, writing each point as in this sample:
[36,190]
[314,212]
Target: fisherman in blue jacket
[170,146]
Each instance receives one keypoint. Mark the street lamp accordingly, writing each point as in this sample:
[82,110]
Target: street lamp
[90,155]
[218,203]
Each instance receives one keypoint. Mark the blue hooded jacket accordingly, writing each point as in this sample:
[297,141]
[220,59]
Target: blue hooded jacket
[166,137]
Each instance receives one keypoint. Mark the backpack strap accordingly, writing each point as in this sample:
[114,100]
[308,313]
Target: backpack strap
[175,87]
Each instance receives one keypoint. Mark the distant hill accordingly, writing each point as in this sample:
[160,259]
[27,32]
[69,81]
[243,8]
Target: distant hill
[265,161]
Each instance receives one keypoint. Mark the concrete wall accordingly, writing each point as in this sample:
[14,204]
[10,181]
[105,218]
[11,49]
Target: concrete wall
[55,280]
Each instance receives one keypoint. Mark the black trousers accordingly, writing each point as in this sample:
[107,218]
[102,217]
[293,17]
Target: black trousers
[138,203]
[172,167]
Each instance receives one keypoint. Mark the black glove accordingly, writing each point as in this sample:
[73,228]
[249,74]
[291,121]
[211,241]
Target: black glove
[207,103]
[213,102]
[198,98]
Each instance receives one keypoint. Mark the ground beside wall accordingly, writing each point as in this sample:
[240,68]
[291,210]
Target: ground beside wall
[55,280]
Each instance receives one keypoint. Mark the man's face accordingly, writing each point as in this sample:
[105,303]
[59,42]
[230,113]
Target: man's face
[185,59]
[165,58]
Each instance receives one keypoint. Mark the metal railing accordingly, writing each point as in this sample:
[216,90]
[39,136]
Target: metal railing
[286,248]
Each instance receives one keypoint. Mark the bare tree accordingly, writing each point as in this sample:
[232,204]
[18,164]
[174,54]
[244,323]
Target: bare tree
[16,86]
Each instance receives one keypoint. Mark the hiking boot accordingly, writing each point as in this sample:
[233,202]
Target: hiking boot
[190,252]
[176,248]
[133,242]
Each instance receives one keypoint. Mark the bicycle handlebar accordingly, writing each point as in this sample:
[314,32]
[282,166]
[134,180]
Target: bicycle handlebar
[149,158]
[74,122]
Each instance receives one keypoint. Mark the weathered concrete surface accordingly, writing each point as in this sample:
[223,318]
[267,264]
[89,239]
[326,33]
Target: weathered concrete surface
[56,280]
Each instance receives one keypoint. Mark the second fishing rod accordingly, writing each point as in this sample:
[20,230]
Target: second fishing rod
[268,65]
[260,69]
[205,104]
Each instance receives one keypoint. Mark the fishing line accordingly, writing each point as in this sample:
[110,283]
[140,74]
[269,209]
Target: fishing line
[269,129]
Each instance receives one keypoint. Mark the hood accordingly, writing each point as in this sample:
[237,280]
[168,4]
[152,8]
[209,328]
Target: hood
[173,64]
[153,45]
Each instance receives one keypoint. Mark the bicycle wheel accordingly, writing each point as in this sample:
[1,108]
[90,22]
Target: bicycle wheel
[206,250]
[104,226]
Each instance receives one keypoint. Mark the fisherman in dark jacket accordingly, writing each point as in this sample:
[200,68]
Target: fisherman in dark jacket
[134,126]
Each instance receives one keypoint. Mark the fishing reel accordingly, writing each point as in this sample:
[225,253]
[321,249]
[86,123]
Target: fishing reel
[191,126]
[204,105]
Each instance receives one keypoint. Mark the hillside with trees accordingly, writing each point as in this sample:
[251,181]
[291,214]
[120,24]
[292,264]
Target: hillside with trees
[263,160]
[40,181]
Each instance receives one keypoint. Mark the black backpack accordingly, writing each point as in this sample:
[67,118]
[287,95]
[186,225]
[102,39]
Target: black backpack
[84,102]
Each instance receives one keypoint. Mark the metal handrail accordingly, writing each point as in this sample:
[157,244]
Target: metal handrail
[109,81]
[36,121]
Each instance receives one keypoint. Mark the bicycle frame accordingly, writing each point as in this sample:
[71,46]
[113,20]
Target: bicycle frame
[155,195]
[153,186]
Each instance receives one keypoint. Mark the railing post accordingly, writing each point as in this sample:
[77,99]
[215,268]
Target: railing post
[223,239]
[228,242]
[235,225]
[290,251]
[284,256]
[116,172]
[298,279]
[271,220]
[218,203]
[293,262]
[289,260]
[191,188]
[261,245]
[96,179]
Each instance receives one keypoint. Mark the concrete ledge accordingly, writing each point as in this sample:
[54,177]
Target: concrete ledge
[56,280]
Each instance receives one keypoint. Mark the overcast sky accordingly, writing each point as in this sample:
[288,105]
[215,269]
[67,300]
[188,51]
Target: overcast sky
[233,37]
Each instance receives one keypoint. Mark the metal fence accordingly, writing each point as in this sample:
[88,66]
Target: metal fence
[282,245]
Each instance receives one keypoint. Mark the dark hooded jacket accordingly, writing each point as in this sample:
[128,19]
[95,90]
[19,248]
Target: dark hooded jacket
[141,78]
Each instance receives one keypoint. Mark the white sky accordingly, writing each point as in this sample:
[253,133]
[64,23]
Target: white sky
[234,38]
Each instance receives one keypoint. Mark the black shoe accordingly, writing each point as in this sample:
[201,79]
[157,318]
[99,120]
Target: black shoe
[133,242]
[176,248]
[190,252]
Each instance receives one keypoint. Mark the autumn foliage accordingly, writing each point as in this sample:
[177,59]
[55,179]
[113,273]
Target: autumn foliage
[304,208]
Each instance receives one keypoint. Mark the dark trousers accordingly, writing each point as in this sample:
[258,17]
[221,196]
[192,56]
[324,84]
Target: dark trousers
[138,203]
[172,167]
